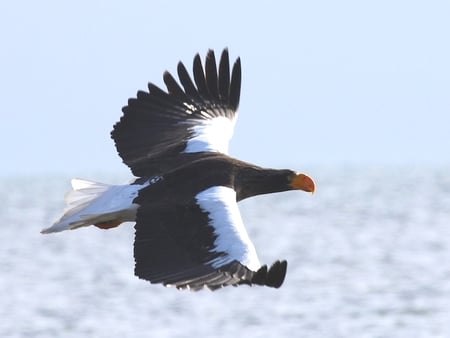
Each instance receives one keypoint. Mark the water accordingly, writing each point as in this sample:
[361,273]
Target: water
[369,256]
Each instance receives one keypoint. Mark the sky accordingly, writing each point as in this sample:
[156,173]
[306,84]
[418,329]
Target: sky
[325,83]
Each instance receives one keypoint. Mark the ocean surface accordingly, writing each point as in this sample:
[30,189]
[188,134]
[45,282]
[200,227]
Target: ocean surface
[368,254]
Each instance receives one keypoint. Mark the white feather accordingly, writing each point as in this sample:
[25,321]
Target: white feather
[93,202]
[211,135]
[83,192]
[232,238]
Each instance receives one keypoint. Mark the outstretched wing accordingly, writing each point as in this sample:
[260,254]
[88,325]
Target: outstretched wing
[202,243]
[158,126]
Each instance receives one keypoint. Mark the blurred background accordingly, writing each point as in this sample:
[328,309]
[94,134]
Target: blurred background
[354,93]
[324,82]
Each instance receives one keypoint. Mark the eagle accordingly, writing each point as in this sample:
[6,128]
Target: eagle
[189,232]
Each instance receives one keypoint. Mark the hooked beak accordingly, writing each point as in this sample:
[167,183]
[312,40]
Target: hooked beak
[303,182]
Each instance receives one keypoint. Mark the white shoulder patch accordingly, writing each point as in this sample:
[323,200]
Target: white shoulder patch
[232,238]
[212,135]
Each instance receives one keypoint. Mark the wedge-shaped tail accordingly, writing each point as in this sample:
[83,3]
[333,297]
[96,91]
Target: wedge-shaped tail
[93,203]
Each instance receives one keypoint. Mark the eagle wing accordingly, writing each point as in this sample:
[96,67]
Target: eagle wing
[158,127]
[201,243]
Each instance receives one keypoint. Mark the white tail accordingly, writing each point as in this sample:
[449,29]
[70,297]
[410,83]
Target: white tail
[95,203]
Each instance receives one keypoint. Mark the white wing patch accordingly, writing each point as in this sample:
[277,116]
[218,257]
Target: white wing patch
[212,135]
[232,238]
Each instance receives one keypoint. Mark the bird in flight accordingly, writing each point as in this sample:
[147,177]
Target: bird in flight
[189,233]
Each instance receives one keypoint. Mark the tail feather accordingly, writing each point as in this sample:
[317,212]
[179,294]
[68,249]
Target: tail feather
[92,202]
[83,193]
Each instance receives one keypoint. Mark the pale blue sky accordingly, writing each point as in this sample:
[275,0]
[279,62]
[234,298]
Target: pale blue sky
[324,82]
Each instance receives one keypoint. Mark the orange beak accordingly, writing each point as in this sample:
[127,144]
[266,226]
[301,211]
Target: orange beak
[303,182]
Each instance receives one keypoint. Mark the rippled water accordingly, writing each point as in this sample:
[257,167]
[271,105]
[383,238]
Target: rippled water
[369,256]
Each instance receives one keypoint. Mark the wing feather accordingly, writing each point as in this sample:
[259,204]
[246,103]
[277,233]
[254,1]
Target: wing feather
[174,88]
[235,86]
[157,126]
[199,76]
[224,76]
[187,83]
[181,245]
[211,76]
